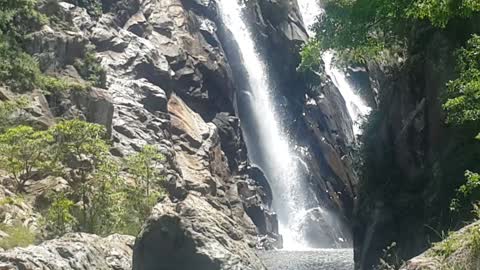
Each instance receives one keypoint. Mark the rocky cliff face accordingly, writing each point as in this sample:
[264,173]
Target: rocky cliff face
[170,84]
[412,161]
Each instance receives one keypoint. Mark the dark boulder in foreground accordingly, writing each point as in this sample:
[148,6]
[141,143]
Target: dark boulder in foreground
[193,234]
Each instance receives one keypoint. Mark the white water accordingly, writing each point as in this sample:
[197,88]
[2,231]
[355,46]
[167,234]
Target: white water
[357,109]
[277,158]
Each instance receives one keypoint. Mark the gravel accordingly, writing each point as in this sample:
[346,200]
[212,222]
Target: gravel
[321,259]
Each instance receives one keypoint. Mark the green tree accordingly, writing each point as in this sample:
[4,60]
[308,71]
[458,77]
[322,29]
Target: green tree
[104,210]
[18,18]
[144,166]
[81,148]
[362,29]
[463,95]
[59,218]
[462,107]
[147,189]
[22,149]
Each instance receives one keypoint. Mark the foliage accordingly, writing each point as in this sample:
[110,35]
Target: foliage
[21,72]
[447,246]
[13,200]
[8,109]
[58,218]
[459,250]
[389,259]
[103,205]
[18,18]
[93,7]
[18,236]
[90,69]
[311,55]
[54,85]
[98,199]
[463,104]
[364,29]
[81,148]
[18,70]
[105,202]
[441,12]
[22,149]
[147,189]
[144,167]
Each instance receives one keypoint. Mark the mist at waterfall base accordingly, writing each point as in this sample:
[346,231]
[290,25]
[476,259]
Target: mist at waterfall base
[268,143]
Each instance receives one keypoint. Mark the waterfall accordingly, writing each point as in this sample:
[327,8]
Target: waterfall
[267,142]
[356,107]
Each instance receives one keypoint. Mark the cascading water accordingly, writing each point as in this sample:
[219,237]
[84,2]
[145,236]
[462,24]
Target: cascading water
[356,107]
[267,142]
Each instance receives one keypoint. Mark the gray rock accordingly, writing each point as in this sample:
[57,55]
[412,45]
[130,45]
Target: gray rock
[73,251]
[192,234]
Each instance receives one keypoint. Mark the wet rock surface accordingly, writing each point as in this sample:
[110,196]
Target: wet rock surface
[321,259]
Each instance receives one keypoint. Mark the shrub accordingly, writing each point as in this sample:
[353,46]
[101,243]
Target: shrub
[7,111]
[80,147]
[55,85]
[93,7]
[19,17]
[144,167]
[90,69]
[58,218]
[463,95]
[104,202]
[22,149]
[21,72]
[18,70]
[18,236]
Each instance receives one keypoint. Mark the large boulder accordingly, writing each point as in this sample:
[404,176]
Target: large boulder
[458,251]
[193,234]
[73,252]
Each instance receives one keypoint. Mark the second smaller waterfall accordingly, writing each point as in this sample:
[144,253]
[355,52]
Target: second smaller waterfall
[356,107]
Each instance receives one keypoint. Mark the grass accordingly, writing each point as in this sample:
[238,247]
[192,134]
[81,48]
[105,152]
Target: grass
[460,250]
[18,236]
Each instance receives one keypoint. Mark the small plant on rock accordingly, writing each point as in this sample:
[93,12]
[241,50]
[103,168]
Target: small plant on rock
[16,236]
[90,68]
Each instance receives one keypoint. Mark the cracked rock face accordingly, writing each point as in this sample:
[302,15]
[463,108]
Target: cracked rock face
[170,84]
[167,79]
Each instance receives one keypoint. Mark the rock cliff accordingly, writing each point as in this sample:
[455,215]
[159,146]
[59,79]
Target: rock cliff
[169,83]
[413,160]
